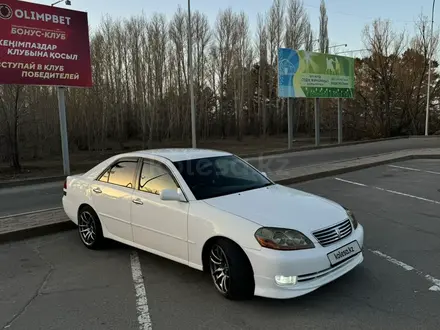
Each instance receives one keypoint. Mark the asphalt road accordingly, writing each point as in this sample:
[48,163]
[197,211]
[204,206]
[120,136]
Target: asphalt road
[53,282]
[44,196]
[24,199]
[319,156]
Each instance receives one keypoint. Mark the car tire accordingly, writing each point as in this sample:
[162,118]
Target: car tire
[89,228]
[230,270]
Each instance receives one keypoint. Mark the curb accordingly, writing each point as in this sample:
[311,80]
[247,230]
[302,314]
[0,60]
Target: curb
[23,234]
[61,226]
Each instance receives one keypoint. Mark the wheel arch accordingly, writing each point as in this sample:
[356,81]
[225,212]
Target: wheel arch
[210,242]
[82,206]
[87,205]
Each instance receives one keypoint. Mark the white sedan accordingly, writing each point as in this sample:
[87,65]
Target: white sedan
[214,212]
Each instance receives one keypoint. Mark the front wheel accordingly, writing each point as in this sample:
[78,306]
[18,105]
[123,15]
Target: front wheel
[89,228]
[231,271]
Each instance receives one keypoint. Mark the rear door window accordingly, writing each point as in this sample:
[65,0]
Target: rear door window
[121,174]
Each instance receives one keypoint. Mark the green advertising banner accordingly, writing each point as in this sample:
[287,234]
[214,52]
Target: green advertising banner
[303,74]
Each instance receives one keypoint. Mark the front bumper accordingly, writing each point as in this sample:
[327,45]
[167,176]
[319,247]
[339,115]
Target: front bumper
[312,267]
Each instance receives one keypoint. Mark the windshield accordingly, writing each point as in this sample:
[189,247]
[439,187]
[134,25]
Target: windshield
[219,176]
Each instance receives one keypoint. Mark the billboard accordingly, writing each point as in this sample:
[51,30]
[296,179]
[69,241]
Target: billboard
[43,45]
[304,74]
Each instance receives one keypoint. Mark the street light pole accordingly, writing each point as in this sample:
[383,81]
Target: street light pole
[191,79]
[68,3]
[429,72]
[334,46]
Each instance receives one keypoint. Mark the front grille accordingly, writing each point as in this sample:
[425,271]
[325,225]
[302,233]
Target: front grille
[333,234]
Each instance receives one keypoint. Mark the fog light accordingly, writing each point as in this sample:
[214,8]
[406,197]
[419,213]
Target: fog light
[285,280]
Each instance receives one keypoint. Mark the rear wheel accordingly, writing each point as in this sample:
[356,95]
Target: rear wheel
[89,228]
[231,270]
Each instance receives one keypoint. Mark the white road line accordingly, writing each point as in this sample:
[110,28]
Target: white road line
[436,286]
[141,294]
[30,212]
[390,191]
[408,195]
[414,169]
[351,182]
[433,280]
[392,260]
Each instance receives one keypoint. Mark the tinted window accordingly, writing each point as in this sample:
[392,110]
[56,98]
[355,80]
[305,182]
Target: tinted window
[155,178]
[218,176]
[121,174]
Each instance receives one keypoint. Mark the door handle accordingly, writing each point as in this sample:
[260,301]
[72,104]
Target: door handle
[97,190]
[138,201]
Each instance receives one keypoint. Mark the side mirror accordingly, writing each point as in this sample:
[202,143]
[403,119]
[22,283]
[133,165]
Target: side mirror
[172,195]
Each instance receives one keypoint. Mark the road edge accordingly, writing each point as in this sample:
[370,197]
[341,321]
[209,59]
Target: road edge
[66,225]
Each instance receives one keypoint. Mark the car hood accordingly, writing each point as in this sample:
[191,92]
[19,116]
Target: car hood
[283,207]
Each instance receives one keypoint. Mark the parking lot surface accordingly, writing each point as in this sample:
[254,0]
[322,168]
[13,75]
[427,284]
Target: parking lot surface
[53,282]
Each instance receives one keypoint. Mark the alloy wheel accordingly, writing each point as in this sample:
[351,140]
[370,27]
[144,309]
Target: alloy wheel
[87,228]
[219,269]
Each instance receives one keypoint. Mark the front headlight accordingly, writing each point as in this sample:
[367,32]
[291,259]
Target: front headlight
[282,239]
[352,219]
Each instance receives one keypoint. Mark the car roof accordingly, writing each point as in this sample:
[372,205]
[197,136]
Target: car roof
[179,154]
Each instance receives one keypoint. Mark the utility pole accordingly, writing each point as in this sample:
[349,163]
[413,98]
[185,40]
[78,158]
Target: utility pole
[191,79]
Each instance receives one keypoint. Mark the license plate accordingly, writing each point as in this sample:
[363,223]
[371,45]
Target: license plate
[344,253]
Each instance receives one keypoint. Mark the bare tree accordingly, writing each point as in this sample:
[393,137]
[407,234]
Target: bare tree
[11,106]
[202,36]
[226,39]
[179,34]
[323,29]
[297,23]
[262,89]
[386,46]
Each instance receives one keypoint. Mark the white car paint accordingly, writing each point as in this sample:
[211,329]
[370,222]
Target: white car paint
[179,230]
[283,207]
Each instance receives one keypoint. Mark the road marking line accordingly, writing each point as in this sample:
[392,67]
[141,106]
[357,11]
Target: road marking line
[390,191]
[414,169]
[408,195]
[434,288]
[29,213]
[392,260]
[433,280]
[141,294]
[351,182]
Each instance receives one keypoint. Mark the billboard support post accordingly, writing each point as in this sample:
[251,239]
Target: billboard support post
[63,129]
[339,120]
[317,123]
[289,122]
